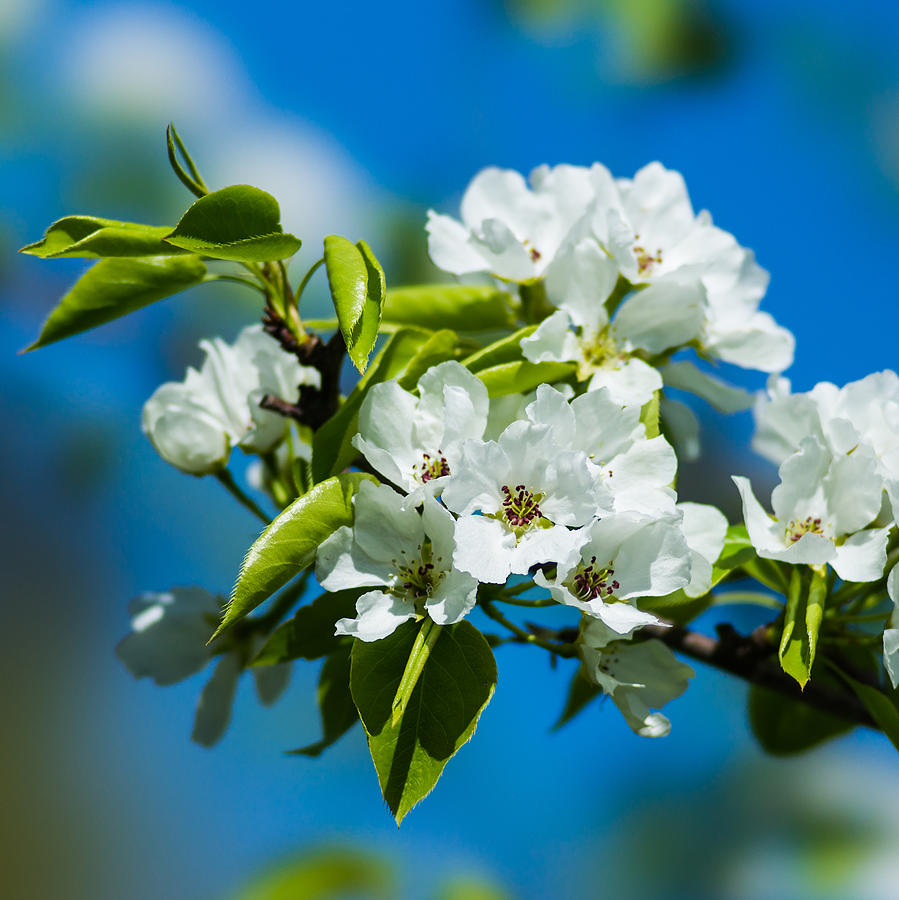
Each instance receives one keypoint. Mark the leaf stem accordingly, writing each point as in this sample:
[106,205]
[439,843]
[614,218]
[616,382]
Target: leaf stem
[518,601]
[227,479]
[236,279]
[566,650]
[755,598]
[306,278]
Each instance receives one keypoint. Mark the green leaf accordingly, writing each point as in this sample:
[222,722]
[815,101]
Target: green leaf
[649,416]
[455,685]
[288,545]
[324,874]
[358,288]
[240,223]
[802,620]
[310,633]
[458,307]
[784,726]
[880,705]
[424,643]
[581,692]
[335,702]
[112,288]
[522,376]
[506,349]
[332,450]
[191,178]
[93,237]
[439,347]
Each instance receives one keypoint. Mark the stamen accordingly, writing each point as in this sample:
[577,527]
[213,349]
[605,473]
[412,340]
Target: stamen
[521,507]
[799,527]
[431,467]
[592,581]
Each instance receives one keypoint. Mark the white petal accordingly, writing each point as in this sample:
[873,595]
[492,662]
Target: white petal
[579,280]
[454,598]
[705,528]
[449,246]
[377,615]
[891,654]
[386,420]
[759,344]
[862,556]
[544,545]
[214,708]
[383,527]
[666,314]
[553,341]
[622,618]
[484,549]
[765,534]
[631,384]
[854,491]
[341,564]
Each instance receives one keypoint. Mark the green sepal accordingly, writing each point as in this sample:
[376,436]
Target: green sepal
[459,307]
[240,223]
[112,288]
[332,448]
[455,685]
[335,702]
[506,349]
[802,619]
[522,376]
[358,288]
[581,693]
[310,633]
[93,238]
[784,726]
[289,544]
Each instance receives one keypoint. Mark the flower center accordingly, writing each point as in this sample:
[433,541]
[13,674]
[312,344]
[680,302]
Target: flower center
[592,581]
[521,507]
[533,252]
[798,527]
[645,260]
[597,351]
[431,467]
[418,579]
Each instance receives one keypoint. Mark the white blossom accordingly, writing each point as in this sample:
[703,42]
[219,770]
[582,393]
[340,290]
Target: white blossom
[415,442]
[168,643]
[624,556]
[194,424]
[659,236]
[510,228]
[638,676]
[821,509]
[516,497]
[635,472]
[891,634]
[406,555]
[664,315]
[705,528]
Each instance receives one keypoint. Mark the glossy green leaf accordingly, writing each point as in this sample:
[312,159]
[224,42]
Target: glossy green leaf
[459,307]
[93,237]
[335,702]
[240,223]
[522,376]
[784,726]
[358,289]
[506,349]
[310,633]
[581,693]
[881,706]
[802,620]
[332,450]
[324,874]
[112,288]
[455,685]
[288,545]
[439,347]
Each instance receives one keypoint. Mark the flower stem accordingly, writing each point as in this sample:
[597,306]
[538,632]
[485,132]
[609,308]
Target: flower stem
[305,281]
[236,279]
[525,637]
[755,598]
[227,479]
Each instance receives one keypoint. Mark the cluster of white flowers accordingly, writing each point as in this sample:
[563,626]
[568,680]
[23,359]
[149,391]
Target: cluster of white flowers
[568,489]
[195,423]
[573,490]
[592,238]
[838,498]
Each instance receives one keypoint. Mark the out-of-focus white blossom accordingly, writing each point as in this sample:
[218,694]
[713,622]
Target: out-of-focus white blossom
[638,676]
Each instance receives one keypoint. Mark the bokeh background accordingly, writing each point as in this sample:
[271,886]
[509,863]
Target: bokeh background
[784,118]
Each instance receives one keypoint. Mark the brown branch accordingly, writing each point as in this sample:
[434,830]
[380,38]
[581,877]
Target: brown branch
[751,658]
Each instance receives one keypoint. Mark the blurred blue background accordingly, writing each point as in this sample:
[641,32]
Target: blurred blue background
[783,117]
